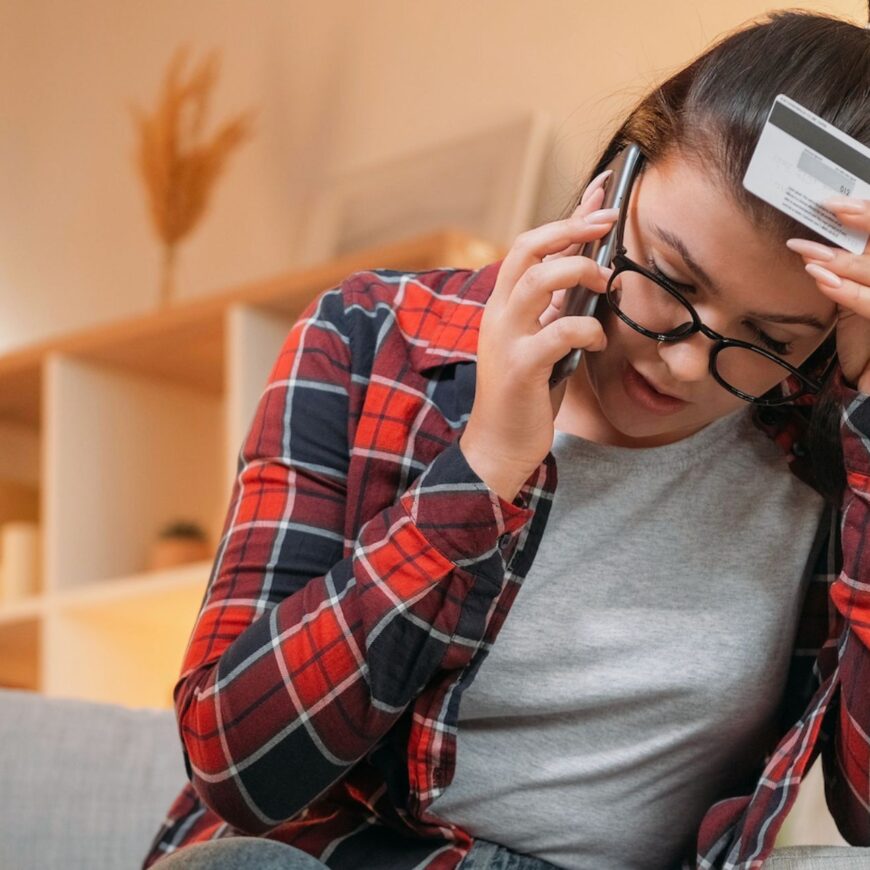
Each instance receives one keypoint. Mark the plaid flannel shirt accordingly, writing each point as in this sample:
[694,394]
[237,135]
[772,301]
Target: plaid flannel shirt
[364,571]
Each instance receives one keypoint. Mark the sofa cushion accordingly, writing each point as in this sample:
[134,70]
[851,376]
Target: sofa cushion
[84,785]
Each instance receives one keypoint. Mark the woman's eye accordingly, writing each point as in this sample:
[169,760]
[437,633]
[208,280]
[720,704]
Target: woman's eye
[687,288]
[778,347]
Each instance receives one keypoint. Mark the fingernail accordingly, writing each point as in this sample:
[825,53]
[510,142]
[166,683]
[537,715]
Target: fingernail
[584,203]
[844,204]
[599,178]
[810,249]
[594,185]
[602,216]
[823,276]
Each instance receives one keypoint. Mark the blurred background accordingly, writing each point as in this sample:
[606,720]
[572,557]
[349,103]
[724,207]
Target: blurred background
[141,311]
[337,85]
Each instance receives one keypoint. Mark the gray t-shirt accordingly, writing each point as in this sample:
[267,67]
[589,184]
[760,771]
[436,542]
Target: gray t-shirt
[638,673]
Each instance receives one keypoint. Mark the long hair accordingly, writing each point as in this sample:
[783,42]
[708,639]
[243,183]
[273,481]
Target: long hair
[713,110]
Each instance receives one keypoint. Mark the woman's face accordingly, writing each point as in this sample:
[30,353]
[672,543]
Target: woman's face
[674,199]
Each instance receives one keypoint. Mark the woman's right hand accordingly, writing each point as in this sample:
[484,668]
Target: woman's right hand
[510,429]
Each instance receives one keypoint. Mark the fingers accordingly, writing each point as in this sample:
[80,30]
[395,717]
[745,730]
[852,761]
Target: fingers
[850,294]
[838,260]
[555,308]
[546,348]
[842,275]
[532,246]
[574,248]
[591,201]
[589,208]
[851,210]
[534,291]
[592,198]
[559,238]
[597,183]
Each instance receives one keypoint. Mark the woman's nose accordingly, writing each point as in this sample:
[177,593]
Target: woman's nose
[688,359]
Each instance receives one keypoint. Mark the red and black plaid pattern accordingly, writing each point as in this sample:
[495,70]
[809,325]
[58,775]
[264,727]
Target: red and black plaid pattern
[364,571]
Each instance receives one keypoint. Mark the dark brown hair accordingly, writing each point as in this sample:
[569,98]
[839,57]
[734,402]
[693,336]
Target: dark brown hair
[713,111]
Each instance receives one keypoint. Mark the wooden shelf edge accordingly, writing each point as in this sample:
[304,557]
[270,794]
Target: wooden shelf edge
[118,589]
[430,248]
[22,609]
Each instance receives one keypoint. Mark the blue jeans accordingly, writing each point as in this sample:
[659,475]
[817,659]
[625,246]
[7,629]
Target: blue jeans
[818,858]
[243,853]
[491,856]
[239,853]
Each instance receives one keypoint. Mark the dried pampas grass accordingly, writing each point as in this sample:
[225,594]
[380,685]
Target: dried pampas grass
[177,164]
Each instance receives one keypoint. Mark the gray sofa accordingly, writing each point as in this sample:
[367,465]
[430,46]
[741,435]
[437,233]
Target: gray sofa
[83,786]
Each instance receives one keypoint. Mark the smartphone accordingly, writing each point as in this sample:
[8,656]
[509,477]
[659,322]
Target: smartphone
[580,299]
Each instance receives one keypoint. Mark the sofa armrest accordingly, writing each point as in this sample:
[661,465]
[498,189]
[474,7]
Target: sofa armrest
[84,784]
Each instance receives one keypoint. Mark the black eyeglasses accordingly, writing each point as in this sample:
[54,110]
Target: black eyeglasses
[650,304]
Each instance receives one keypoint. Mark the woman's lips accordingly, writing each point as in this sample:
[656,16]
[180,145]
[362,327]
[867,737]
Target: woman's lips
[641,391]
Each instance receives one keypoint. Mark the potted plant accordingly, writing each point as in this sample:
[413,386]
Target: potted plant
[179,543]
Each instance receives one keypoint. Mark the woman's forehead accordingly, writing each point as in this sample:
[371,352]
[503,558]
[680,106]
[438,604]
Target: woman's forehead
[681,206]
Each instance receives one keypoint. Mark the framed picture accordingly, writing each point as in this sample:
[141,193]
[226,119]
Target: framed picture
[485,183]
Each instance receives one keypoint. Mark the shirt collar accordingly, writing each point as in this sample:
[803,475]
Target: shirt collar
[459,311]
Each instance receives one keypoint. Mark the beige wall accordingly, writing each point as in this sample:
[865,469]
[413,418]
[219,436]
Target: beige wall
[337,83]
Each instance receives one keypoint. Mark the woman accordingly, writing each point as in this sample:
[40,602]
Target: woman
[365,687]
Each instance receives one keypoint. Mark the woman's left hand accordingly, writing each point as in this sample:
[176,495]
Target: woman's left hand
[844,278]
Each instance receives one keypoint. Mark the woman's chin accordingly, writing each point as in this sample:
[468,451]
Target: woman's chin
[634,425]
[624,419]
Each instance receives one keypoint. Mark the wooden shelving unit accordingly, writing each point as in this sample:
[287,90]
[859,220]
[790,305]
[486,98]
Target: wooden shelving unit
[109,433]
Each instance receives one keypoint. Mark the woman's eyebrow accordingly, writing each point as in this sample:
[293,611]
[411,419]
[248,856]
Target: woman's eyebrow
[680,247]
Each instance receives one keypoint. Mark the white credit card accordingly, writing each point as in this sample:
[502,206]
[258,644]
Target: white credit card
[801,160]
